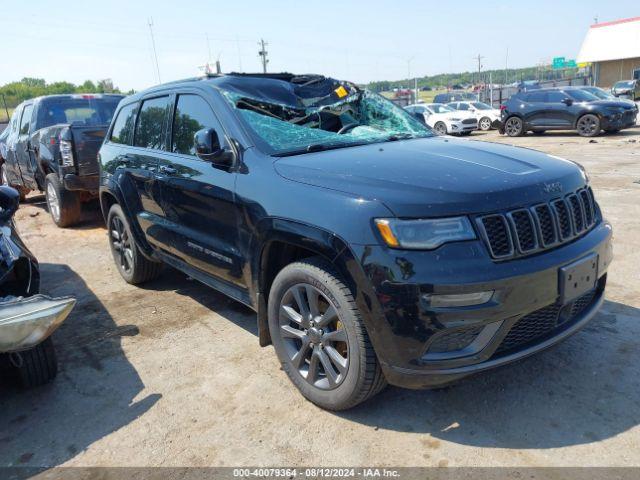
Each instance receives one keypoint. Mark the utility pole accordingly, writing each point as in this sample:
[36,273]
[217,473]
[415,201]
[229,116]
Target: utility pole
[263,55]
[506,67]
[153,44]
[479,58]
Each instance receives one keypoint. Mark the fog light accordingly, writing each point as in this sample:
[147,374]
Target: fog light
[457,299]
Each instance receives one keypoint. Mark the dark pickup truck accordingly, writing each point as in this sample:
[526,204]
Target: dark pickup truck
[52,145]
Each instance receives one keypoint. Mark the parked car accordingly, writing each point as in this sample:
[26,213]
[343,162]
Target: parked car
[443,119]
[455,96]
[372,250]
[487,116]
[568,108]
[27,319]
[52,146]
[627,89]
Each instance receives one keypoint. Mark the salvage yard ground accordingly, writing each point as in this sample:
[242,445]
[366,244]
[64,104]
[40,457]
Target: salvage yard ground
[171,373]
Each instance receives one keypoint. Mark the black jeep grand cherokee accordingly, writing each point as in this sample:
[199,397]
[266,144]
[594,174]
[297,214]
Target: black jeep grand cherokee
[372,250]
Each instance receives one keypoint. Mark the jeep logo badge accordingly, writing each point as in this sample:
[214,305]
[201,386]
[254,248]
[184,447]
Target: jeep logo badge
[555,187]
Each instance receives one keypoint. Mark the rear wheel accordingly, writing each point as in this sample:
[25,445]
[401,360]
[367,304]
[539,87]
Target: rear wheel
[588,125]
[485,124]
[514,127]
[36,366]
[134,267]
[319,336]
[440,128]
[64,205]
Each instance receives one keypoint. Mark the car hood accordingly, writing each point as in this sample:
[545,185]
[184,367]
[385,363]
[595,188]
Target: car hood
[615,104]
[437,176]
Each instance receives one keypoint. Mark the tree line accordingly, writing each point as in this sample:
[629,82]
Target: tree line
[16,92]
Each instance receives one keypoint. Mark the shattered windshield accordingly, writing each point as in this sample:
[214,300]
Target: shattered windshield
[320,114]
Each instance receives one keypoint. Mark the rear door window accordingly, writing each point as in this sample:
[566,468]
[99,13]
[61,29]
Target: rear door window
[123,126]
[555,97]
[150,126]
[192,113]
[536,97]
[26,120]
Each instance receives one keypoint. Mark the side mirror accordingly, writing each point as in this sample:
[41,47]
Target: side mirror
[208,148]
[9,202]
[567,101]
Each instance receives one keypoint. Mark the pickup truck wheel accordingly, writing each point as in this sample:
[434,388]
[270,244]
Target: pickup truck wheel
[64,205]
[588,125]
[319,336]
[134,267]
[485,124]
[36,366]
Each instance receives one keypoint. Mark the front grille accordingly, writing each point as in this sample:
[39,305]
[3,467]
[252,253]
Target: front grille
[543,322]
[497,231]
[469,121]
[529,230]
[456,340]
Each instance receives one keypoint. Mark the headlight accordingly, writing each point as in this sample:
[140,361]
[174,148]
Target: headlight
[424,234]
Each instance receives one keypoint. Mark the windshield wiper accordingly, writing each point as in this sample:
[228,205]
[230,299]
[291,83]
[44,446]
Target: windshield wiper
[319,147]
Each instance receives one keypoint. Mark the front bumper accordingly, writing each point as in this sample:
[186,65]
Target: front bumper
[621,120]
[459,127]
[89,183]
[404,327]
[25,322]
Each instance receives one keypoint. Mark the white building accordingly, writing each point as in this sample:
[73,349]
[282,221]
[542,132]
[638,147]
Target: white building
[614,50]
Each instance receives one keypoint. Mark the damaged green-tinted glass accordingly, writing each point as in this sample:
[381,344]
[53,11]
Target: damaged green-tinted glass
[361,117]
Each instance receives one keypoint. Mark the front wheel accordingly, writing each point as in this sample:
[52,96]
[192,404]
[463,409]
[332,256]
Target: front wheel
[440,128]
[485,124]
[133,266]
[588,125]
[319,336]
[64,205]
[514,127]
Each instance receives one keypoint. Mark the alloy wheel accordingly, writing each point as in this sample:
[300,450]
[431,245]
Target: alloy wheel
[53,202]
[588,126]
[440,128]
[314,338]
[121,244]
[513,127]
[485,124]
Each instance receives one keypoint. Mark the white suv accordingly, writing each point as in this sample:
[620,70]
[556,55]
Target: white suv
[485,114]
[443,119]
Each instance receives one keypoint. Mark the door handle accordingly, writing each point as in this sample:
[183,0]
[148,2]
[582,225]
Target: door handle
[169,170]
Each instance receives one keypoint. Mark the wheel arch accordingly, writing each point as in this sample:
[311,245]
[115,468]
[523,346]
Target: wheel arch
[281,242]
[116,193]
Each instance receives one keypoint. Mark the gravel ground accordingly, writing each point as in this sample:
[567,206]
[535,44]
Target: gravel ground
[172,374]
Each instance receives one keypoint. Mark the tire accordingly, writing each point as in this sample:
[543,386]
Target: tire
[588,125]
[64,205]
[514,127]
[345,381]
[134,267]
[539,132]
[36,366]
[440,128]
[484,124]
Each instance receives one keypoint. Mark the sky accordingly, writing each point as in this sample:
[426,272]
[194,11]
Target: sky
[358,40]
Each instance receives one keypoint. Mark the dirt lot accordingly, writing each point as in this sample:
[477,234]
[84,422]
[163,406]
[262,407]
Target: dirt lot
[172,374]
